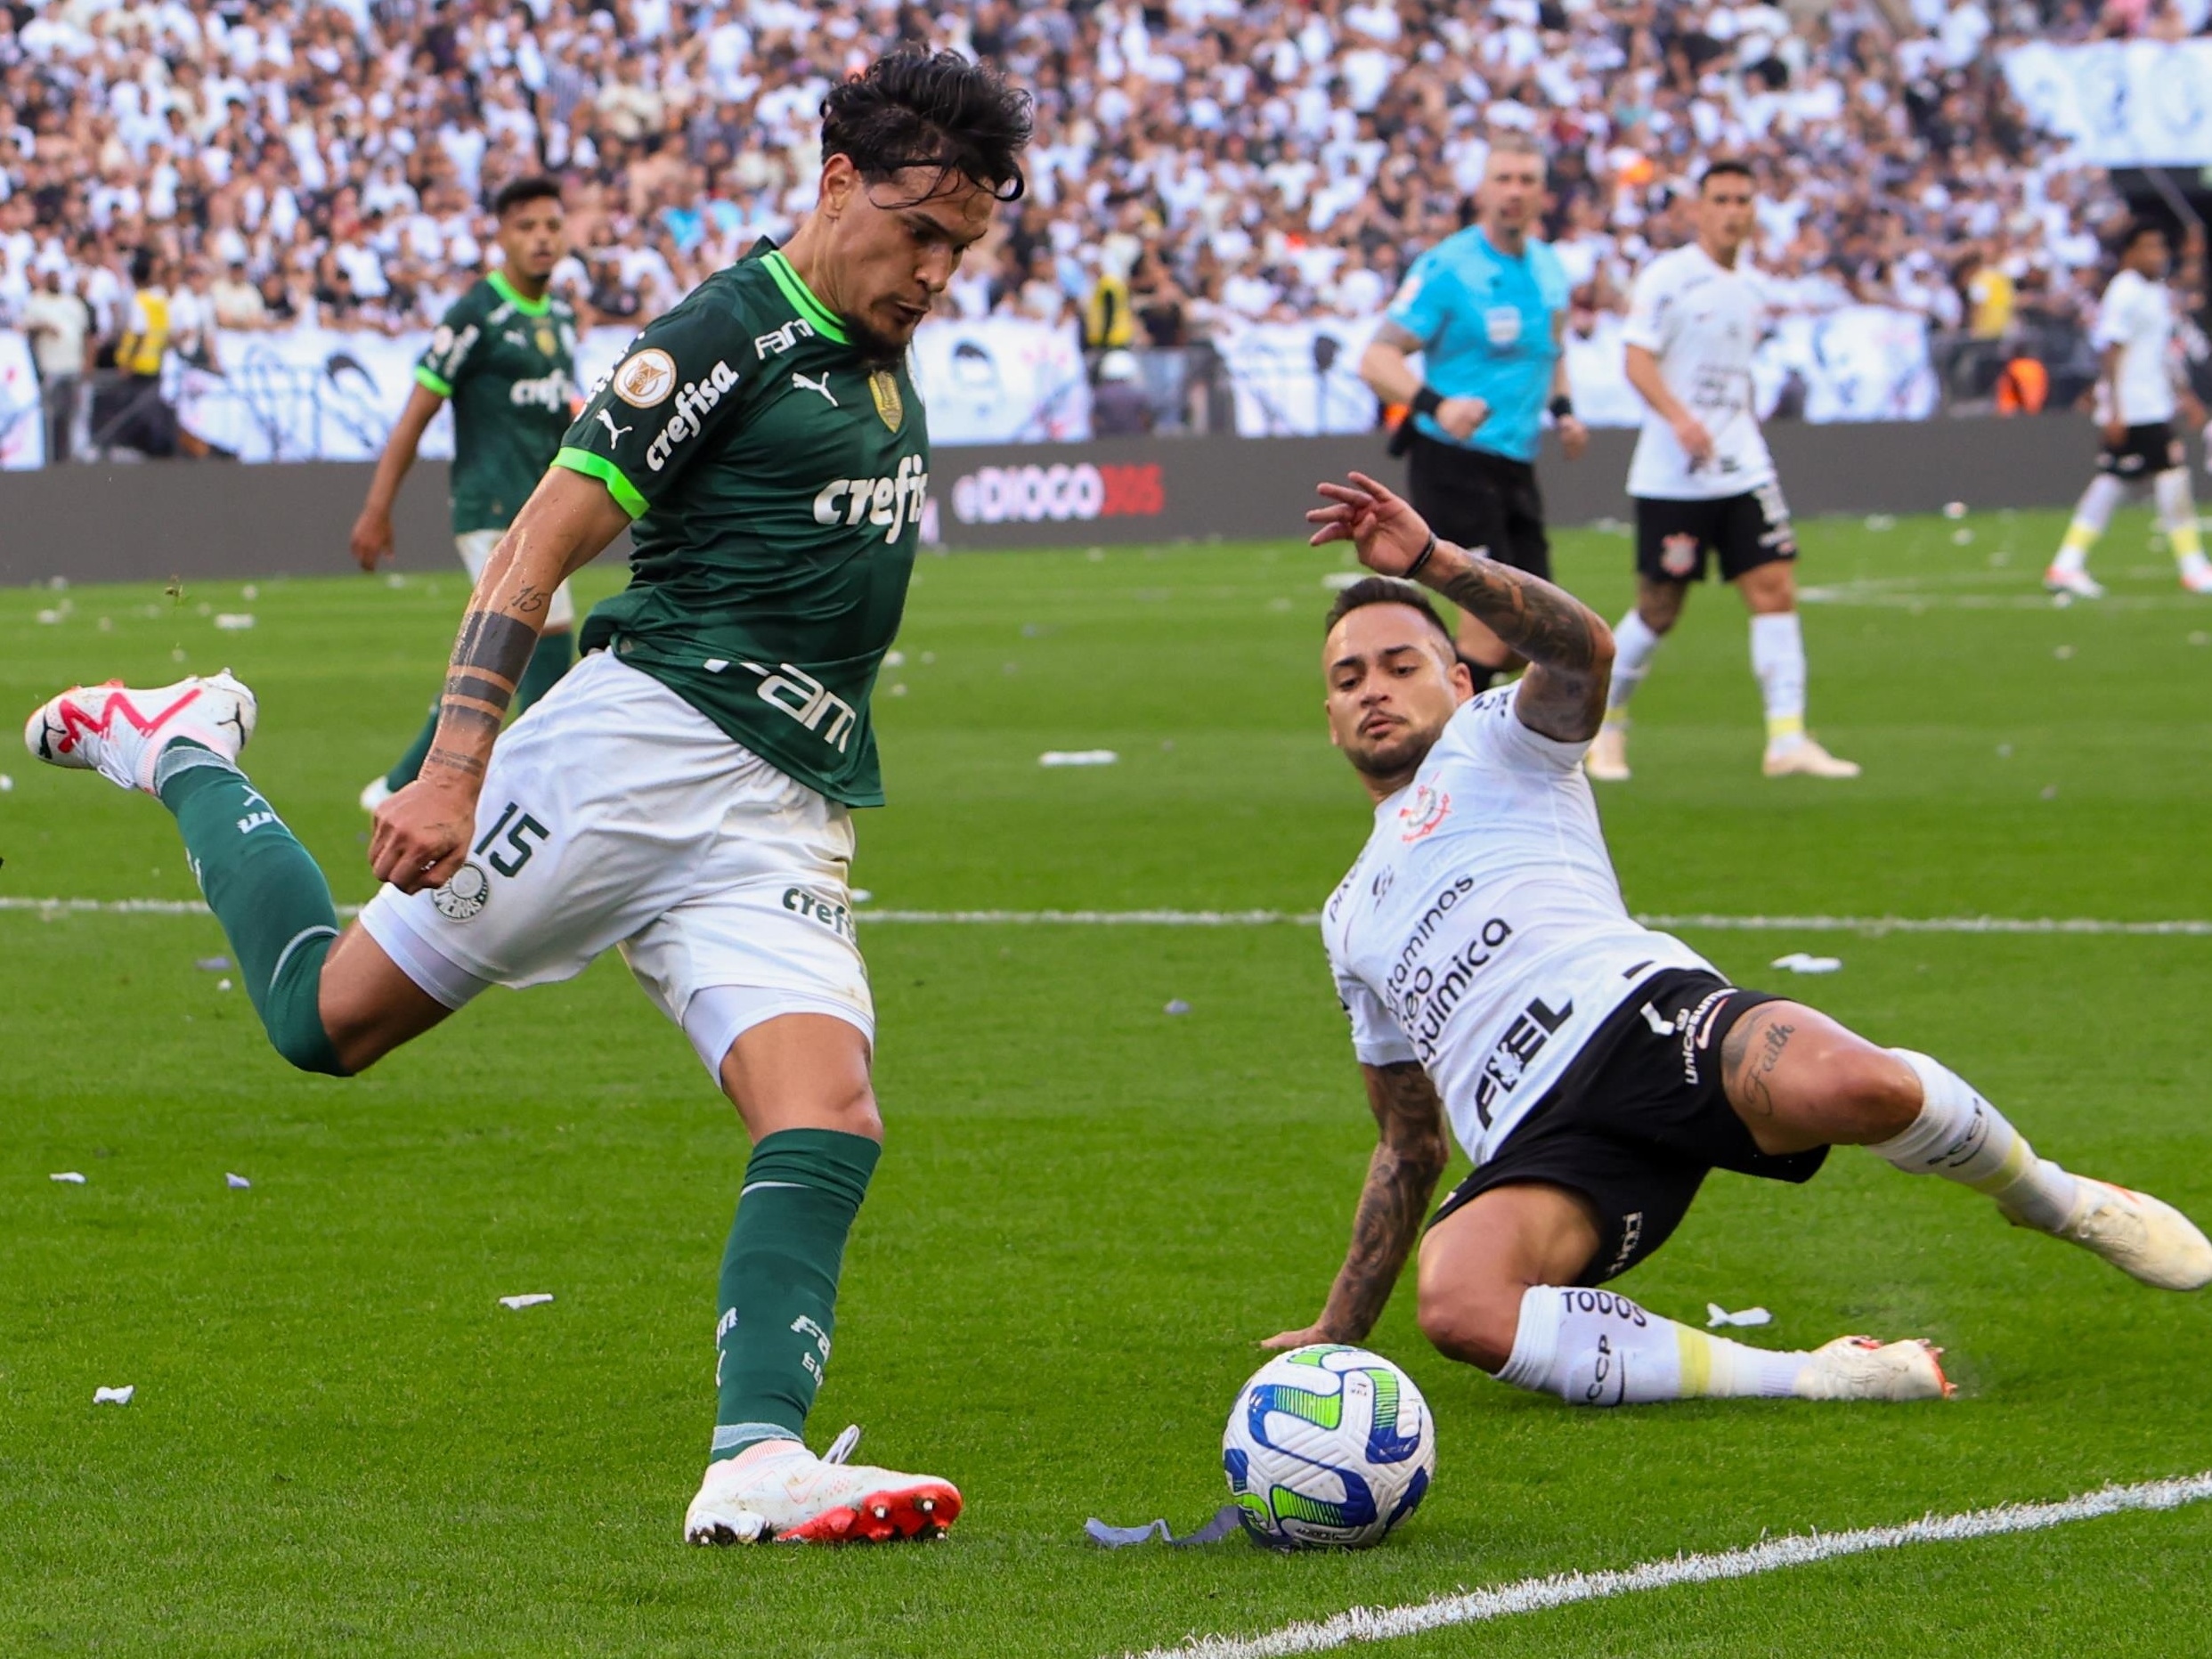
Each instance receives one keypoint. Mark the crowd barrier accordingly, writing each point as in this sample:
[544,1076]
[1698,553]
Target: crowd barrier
[204,519]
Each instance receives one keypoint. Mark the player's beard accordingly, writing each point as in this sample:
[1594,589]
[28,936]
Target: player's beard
[1396,759]
[878,348]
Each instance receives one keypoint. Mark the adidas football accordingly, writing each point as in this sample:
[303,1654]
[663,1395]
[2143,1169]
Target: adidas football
[1329,1446]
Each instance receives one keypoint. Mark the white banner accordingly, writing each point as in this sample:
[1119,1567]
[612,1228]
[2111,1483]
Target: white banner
[1861,362]
[23,430]
[2119,103]
[1002,380]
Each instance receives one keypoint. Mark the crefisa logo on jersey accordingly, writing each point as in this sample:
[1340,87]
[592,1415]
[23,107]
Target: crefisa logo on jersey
[691,403]
[1419,818]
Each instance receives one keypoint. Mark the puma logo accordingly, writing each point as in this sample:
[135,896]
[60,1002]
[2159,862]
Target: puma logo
[821,385]
[614,432]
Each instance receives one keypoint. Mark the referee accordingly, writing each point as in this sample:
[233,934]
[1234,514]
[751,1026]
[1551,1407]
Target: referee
[1486,310]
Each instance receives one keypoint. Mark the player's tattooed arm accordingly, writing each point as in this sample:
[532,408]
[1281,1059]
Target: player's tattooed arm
[1400,1179]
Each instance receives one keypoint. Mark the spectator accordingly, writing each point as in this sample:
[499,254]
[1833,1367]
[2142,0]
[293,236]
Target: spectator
[1118,406]
[60,326]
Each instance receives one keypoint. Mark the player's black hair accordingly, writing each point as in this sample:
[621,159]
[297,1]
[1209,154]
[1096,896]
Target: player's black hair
[2135,230]
[914,107]
[1384,591]
[1725,166]
[517,193]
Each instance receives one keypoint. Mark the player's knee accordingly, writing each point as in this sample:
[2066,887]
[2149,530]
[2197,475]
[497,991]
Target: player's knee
[1476,1326]
[1660,609]
[1880,1095]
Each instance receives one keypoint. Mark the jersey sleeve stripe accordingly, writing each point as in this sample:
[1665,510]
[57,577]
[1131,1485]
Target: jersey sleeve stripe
[802,299]
[606,472]
[431,382]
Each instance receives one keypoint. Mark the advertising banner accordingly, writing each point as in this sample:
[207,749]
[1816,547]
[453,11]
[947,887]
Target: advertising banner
[2119,103]
[22,432]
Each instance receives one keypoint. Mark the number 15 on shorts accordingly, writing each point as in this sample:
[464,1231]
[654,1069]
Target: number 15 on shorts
[508,856]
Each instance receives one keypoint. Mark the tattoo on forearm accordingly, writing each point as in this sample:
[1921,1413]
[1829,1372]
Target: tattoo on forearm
[529,600]
[1400,1179]
[487,665]
[1563,695]
[454,761]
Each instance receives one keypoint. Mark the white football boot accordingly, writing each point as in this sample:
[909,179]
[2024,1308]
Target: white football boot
[2072,584]
[374,793]
[791,1495]
[121,733]
[2196,574]
[1860,1367]
[2144,1237]
[1806,758]
[1607,760]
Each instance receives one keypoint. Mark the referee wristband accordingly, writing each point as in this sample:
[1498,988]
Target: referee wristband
[1429,549]
[1428,401]
[1562,408]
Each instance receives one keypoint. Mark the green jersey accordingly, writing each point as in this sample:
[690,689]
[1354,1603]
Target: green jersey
[510,366]
[777,475]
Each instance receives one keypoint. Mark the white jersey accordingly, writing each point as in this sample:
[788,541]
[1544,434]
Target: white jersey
[1703,321]
[2137,315]
[1482,933]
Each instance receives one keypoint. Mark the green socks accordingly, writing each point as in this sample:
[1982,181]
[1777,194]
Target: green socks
[548,663]
[778,1301]
[264,888]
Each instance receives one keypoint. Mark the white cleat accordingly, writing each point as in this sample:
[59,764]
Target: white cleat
[2144,1237]
[1860,1367]
[2072,584]
[1607,760]
[2196,574]
[1805,758]
[791,1496]
[375,794]
[121,733]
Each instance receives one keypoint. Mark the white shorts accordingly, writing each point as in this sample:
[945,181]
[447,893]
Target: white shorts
[475,552]
[614,815]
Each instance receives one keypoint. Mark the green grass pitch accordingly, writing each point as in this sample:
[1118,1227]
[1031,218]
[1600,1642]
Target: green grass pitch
[1090,1211]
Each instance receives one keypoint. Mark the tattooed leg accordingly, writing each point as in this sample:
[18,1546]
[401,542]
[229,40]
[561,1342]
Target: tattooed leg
[1799,1080]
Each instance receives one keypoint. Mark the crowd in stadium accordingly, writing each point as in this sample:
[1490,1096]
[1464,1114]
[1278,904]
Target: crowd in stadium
[1199,161]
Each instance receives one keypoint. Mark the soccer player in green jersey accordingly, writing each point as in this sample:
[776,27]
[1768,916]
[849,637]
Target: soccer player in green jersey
[684,795]
[505,356]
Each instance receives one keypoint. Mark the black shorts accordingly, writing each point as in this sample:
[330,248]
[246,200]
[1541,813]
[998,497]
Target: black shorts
[2145,452]
[1674,538]
[1639,1119]
[1480,501]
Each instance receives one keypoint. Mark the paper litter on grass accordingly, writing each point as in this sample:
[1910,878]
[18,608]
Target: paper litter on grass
[1803,962]
[1717,1316]
[530,1300]
[1077,757]
[236,1181]
[1226,1522]
[234,621]
[114,1396]
[69,1175]
[1177,1005]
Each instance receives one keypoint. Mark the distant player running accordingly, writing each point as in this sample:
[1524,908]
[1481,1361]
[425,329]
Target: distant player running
[1485,311]
[1594,1071]
[683,795]
[505,356]
[1703,481]
[2139,391]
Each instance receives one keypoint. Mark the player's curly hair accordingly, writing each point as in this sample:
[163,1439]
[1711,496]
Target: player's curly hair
[914,107]
[1384,591]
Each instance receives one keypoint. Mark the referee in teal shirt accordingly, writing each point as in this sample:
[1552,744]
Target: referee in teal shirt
[1486,310]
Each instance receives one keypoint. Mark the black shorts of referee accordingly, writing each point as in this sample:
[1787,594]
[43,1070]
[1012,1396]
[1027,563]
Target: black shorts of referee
[1480,501]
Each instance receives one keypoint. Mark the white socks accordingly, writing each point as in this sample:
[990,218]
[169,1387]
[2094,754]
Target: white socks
[1595,1347]
[2091,513]
[1962,1138]
[1634,645]
[2177,516]
[1777,655]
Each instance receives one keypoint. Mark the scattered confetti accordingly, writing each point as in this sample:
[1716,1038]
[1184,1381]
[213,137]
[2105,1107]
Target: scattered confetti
[861,895]
[894,659]
[114,1396]
[1955,510]
[249,593]
[1962,538]
[2005,752]
[212,964]
[1077,757]
[1178,1006]
[72,1177]
[530,1300]
[236,1183]
[2050,791]
[234,621]
[49,617]
[898,690]
[1879,521]
[1717,1316]
[6,783]
[222,985]
[2064,653]
[1799,961]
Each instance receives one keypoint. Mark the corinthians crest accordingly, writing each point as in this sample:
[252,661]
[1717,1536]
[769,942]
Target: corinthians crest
[883,387]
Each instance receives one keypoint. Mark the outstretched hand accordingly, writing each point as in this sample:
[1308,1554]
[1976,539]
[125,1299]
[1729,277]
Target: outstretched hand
[1305,1338]
[1386,532]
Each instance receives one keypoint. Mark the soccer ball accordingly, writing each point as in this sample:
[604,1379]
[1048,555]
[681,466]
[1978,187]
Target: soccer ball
[1327,1446]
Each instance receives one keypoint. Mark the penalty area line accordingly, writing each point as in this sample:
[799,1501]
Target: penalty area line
[1535,1595]
[1874,925]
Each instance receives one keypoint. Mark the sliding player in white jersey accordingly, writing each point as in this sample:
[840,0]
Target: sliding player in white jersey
[2139,392]
[1592,1068]
[1703,481]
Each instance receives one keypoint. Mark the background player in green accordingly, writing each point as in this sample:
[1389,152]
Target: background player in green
[684,793]
[505,354]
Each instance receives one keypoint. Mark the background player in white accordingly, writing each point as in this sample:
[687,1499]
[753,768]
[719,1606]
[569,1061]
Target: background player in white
[1703,481]
[1592,1068]
[2139,391]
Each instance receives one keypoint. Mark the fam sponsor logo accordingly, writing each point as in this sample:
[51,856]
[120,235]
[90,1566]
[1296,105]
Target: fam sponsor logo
[1034,494]
[895,502]
[778,341]
[1420,817]
[692,403]
[546,392]
[794,692]
[828,912]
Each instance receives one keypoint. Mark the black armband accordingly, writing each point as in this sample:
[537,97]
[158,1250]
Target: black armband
[1429,550]
[1562,407]
[1428,401]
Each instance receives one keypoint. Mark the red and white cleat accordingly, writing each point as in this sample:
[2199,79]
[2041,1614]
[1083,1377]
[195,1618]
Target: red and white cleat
[783,1491]
[121,733]
[1860,1367]
[2145,1237]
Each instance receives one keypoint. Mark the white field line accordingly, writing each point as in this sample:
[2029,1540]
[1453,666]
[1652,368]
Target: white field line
[1535,1595]
[1274,918]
